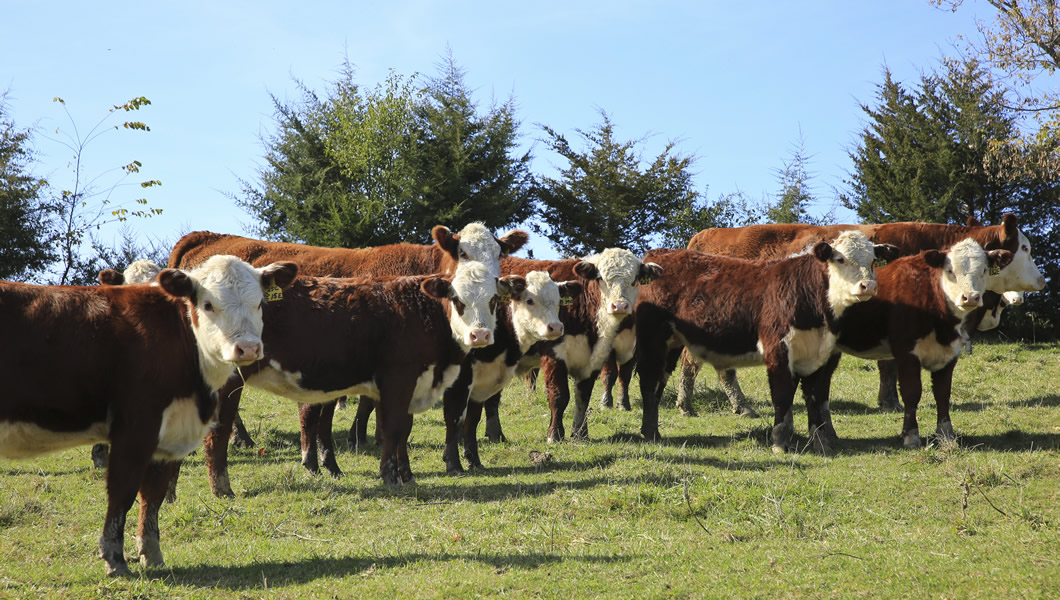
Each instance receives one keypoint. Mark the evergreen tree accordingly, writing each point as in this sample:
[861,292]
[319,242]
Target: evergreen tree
[24,215]
[606,197]
[796,197]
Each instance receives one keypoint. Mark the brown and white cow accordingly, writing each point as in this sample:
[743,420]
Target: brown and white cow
[775,240]
[597,322]
[916,319]
[735,313]
[135,365]
[397,340]
[530,317]
[472,243]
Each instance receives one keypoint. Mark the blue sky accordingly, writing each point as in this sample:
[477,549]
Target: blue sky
[736,84]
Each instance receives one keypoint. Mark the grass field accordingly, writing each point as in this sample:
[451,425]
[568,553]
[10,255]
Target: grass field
[709,512]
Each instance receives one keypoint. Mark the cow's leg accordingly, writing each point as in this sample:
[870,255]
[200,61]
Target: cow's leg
[309,419]
[395,422]
[625,376]
[493,419]
[887,397]
[359,429]
[782,392]
[325,439]
[154,489]
[471,420]
[99,455]
[731,386]
[908,370]
[215,444]
[131,449]
[689,369]
[240,436]
[403,463]
[554,374]
[607,377]
[583,391]
[941,386]
[171,489]
[816,390]
[454,403]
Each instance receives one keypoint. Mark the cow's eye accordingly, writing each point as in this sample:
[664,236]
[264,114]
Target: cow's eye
[841,260]
[207,306]
[464,255]
[1025,248]
[529,301]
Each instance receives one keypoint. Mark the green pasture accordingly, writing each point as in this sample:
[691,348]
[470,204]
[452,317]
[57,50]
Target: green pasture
[710,512]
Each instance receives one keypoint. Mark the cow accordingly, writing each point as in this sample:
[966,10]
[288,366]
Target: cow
[398,340]
[138,366]
[598,321]
[771,241]
[731,313]
[472,243]
[916,320]
[531,316]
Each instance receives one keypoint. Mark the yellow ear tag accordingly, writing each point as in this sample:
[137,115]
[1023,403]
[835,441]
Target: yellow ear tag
[506,297]
[566,301]
[995,270]
[880,263]
[645,280]
[273,293]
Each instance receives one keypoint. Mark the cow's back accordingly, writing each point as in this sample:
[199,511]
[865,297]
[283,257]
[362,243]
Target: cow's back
[394,259]
[767,241]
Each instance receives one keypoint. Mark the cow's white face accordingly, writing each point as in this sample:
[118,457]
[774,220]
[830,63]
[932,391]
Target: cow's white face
[618,272]
[225,296]
[476,243]
[851,274]
[473,293]
[141,271]
[535,309]
[1021,275]
[964,275]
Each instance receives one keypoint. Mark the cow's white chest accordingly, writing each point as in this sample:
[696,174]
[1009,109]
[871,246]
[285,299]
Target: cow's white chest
[182,430]
[26,440]
[576,353]
[933,355]
[625,344]
[488,378]
[426,393]
[808,349]
[276,380]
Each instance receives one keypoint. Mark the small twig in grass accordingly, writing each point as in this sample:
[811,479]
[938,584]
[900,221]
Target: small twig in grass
[988,500]
[302,537]
[827,554]
[688,501]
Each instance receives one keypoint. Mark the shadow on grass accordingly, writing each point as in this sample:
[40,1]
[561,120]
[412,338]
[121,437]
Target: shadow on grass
[280,573]
[1050,401]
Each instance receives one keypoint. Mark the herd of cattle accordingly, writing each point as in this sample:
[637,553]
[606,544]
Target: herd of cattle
[154,367]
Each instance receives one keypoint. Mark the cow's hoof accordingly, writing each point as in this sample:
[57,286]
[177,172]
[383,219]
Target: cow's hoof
[118,570]
[335,472]
[494,433]
[150,552]
[625,406]
[746,412]
[389,474]
[686,410]
[911,440]
[891,407]
[778,449]
[580,435]
[652,435]
[453,469]
[555,435]
[821,444]
[605,402]
[945,431]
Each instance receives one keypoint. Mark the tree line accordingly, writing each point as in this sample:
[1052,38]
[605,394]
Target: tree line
[357,166]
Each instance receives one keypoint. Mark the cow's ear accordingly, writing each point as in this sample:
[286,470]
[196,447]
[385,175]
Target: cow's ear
[516,286]
[887,252]
[176,283]
[1010,228]
[111,277]
[447,240]
[513,241]
[934,258]
[570,289]
[648,273]
[973,222]
[280,274]
[822,251]
[586,270]
[998,259]
[437,287]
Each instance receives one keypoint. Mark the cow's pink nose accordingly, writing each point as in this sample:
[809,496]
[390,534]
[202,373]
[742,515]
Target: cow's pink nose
[867,287]
[619,307]
[248,351]
[971,299]
[555,329]
[480,337]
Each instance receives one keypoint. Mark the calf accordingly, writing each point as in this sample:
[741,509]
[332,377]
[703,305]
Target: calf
[530,317]
[138,366]
[597,322]
[734,313]
[389,338]
[916,320]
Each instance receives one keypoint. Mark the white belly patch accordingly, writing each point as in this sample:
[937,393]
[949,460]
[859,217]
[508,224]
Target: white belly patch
[575,352]
[285,383]
[489,378]
[933,355]
[426,394]
[625,344]
[26,440]
[808,349]
[181,431]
